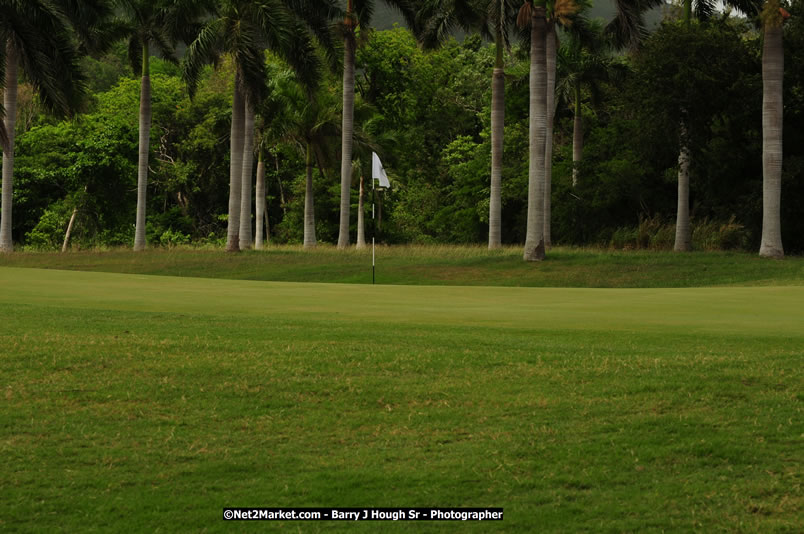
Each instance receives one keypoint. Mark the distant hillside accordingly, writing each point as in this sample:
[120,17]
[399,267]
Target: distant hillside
[385,17]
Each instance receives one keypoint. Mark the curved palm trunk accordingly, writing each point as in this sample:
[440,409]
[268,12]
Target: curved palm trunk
[772,101]
[497,133]
[550,61]
[361,225]
[346,139]
[69,231]
[235,168]
[683,231]
[145,147]
[577,135]
[10,103]
[309,207]
[534,237]
[248,167]
[259,212]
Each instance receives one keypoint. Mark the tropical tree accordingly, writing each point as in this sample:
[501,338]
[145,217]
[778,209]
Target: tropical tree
[310,121]
[534,17]
[243,30]
[36,38]
[357,18]
[559,13]
[583,62]
[772,18]
[703,10]
[158,23]
[492,18]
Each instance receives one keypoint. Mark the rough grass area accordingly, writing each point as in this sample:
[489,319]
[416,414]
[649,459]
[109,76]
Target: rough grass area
[142,403]
[438,265]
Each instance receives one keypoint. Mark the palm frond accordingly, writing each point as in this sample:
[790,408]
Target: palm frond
[205,49]
[627,29]
[41,35]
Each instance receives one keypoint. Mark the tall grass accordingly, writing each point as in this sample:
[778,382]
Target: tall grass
[654,233]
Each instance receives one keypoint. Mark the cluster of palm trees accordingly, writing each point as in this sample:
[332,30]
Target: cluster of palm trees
[46,38]
[495,19]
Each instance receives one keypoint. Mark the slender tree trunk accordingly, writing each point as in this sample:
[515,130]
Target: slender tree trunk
[309,207]
[69,231]
[772,107]
[534,237]
[10,103]
[145,147]
[282,203]
[346,140]
[259,213]
[550,61]
[683,232]
[248,167]
[361,230]
[577,135]
[497,133]
[235,167]
[267,228]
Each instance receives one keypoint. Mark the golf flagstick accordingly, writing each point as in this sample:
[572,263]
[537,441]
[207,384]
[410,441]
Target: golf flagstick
[377,173]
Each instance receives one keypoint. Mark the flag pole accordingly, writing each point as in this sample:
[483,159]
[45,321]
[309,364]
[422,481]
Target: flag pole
[377,173]
[373,232]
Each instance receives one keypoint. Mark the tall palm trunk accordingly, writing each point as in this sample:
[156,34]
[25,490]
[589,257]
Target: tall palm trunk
[248,167]
[550,61]
[259,212]
[347,131]
[145,147]
[772,105]
[361,224]
[497,132]
[683,231]
[309,207]
[534,237]
[10,103]
[235,167]
[577,135]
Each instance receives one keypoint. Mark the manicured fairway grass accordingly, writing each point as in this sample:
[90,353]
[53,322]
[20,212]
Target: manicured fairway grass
[144,403]
[438,265]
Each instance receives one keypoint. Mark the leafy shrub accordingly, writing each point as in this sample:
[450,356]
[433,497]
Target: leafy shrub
[48,234]
[171,238]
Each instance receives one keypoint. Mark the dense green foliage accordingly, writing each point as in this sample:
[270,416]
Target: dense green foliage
[428,115]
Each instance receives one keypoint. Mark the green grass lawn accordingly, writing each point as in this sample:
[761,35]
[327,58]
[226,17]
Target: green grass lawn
[438,265]
[148,403]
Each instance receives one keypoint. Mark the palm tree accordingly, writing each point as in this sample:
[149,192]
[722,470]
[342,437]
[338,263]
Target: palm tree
[582,61]
[357,17]
[310,121]
[37,38]
[772,18]
[492,18]
[535,16]
[243,30]
[703,9]
[560,13]
[161,23]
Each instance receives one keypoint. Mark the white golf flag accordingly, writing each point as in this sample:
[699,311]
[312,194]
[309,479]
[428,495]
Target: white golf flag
[378,172]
